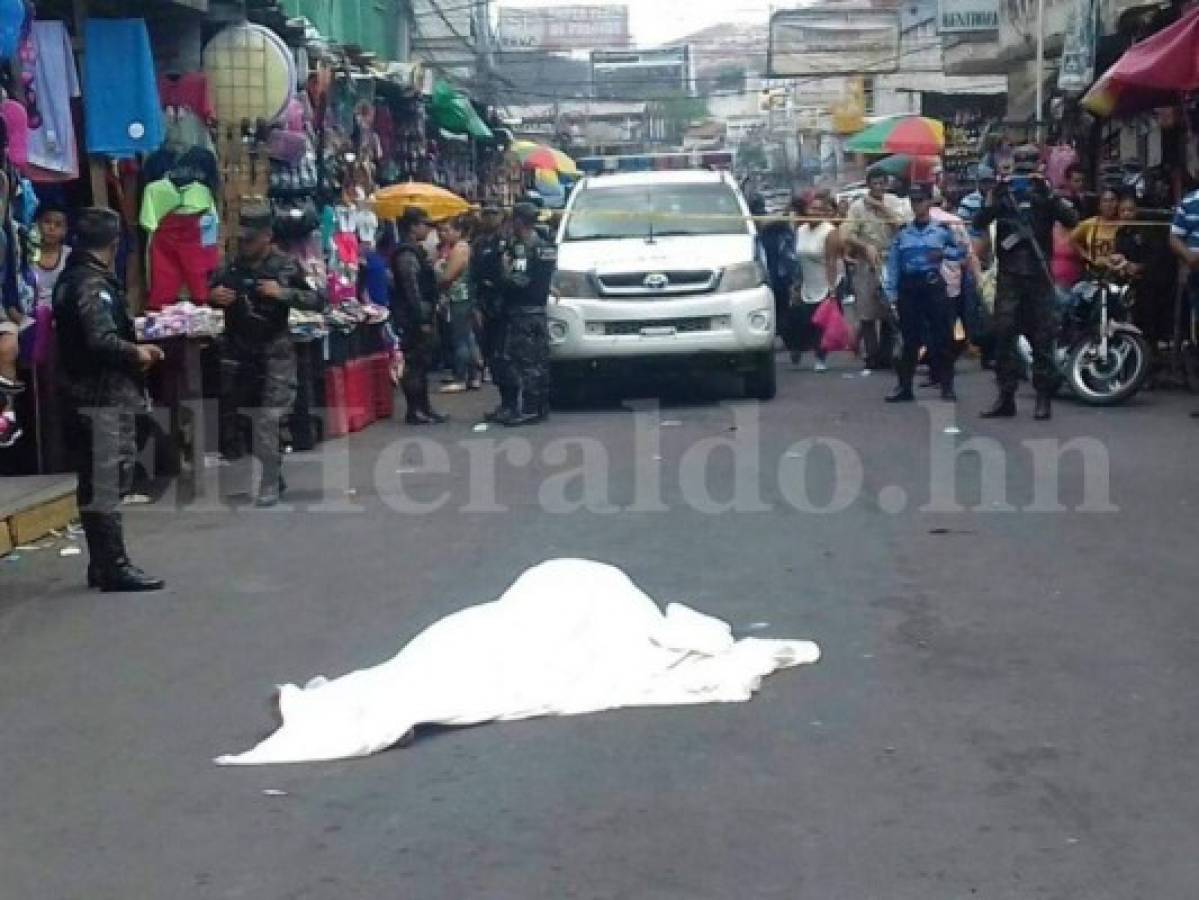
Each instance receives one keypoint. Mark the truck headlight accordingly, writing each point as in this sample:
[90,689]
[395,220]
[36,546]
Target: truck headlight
[742,277]
[557,329]
[759,320]
[574,285]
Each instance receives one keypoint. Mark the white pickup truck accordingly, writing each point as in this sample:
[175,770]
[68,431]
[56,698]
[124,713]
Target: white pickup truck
[661,270]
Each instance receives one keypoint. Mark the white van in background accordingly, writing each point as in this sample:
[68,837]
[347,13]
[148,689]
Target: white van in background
[661,270]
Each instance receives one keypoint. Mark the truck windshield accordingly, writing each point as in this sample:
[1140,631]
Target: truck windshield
[655,211]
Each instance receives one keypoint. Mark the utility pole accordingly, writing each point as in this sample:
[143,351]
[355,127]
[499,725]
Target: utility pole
[1040,68]
[484,58]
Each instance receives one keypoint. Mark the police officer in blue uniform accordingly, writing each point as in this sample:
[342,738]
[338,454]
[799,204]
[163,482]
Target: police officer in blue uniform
[915,286]
[529,265]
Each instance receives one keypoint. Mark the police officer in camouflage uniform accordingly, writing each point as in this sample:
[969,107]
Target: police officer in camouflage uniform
[529,265]
[1025,211]
[413,314]
[487,274]
[258,289]
[103,390]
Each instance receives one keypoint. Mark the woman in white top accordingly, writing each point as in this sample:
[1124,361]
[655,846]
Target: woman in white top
[818,248]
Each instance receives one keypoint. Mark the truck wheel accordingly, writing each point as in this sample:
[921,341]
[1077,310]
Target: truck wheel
[761,382]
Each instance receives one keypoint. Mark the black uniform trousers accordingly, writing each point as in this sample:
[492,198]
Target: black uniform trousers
[925,319]
[258,383]
[495,355]
[102,441]
[419,347]
[528,358]
[1024,304]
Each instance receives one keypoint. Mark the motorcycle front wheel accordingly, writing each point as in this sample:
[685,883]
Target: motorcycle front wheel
[1110,380]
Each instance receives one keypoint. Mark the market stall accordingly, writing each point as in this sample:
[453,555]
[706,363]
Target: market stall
[253,112]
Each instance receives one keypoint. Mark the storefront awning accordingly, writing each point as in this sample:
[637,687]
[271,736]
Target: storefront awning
[1152,73]
[454,112]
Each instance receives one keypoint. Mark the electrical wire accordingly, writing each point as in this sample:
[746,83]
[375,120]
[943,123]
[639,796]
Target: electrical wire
[511,89]
[792,81]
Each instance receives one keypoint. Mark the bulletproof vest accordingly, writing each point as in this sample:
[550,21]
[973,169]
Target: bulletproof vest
[253,319]
[82,275]
[533,265]
[486,268]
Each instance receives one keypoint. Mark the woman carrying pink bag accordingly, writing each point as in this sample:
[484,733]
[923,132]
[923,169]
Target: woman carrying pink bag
[818,248]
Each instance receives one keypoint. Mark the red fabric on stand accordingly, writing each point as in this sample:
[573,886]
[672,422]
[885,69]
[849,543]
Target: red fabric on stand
[336,424]
[179,259]
[360,394]
[380,364]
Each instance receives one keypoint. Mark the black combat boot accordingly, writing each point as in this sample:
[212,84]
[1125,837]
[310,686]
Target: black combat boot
[270,491]
[1044,410]
[1004,406]
[110,569]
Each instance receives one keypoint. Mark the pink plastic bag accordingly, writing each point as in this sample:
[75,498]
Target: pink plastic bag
[834,331]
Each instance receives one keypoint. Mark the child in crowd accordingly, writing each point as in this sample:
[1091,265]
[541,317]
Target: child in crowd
[52,251]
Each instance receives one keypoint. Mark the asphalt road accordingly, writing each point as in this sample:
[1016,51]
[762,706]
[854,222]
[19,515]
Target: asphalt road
[1005,708]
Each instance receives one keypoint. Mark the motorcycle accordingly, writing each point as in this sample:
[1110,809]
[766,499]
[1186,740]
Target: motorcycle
[1098,352]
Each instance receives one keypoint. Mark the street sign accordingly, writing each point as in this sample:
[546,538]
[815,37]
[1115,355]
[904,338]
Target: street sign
[563,27]
[963,16]
[818,42]
[1078,55]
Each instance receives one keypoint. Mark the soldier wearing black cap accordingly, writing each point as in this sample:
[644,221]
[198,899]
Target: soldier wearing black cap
[258,289]
[487,274]
[529,265]
[414,313]
[103,390]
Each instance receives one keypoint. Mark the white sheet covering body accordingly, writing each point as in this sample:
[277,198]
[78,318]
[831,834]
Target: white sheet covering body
[569,637]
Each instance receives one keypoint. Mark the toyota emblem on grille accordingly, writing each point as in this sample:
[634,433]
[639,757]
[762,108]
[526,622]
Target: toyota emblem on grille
[656,282]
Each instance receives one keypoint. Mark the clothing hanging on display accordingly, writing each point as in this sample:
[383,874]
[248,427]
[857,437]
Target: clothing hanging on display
[194,164]
[180,259]
[185,129]
[184,229]
[164,197]
[16,125]
[186,93]
[52,149]
[122,112]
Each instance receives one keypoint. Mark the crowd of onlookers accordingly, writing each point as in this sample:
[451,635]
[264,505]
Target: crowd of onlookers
[827,248]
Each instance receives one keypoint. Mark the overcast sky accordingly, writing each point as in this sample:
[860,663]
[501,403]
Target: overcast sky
[660,21]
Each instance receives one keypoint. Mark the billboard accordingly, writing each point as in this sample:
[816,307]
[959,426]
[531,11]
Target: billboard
[814,41]
[640,73]
[563,27]
[963,16]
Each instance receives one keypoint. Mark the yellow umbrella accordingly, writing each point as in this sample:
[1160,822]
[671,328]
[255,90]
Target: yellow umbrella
[440,204]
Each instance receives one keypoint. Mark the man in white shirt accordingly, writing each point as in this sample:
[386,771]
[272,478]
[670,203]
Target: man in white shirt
[874,220]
